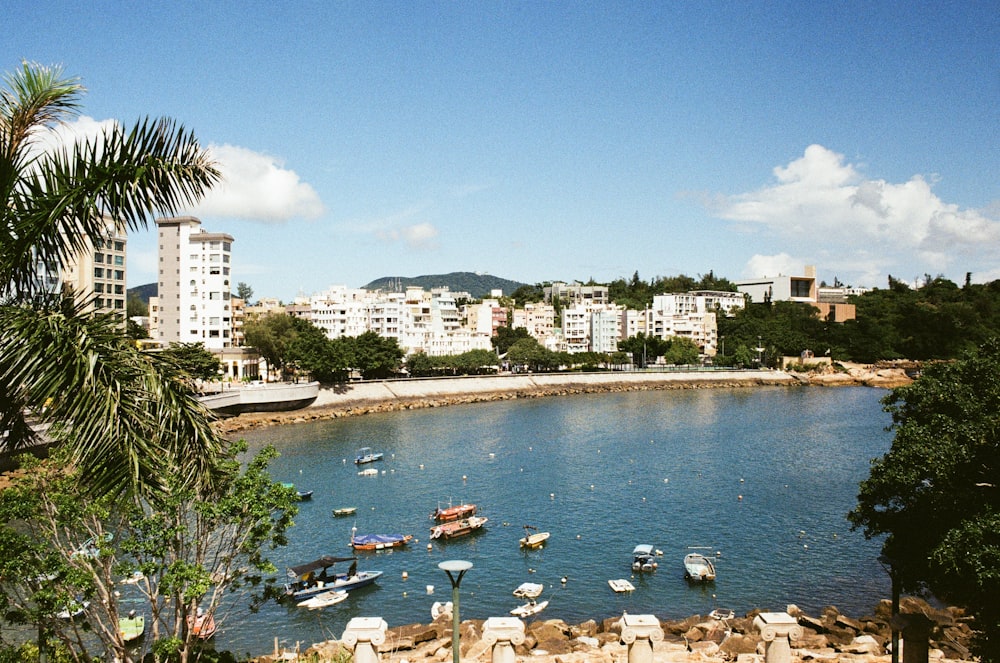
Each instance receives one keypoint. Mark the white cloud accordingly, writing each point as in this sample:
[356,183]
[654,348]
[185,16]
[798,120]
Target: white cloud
[822,208]
[257,187]
[419,235]
[776,265]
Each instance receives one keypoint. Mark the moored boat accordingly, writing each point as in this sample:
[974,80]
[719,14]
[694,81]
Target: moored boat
[529,590]
[202,625]
[345,511]
[533,540]
[366,455]
[643,558]
[450,513]
[441,610]
[379,541]
[328,598]
[131,627]
[458,528]
[698,568]
[313,578]
[621,585]
[529,608]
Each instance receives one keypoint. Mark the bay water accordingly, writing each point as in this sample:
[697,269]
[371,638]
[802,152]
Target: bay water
[759,478]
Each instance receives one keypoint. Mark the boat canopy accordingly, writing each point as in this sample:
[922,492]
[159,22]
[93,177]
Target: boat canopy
[324,562]
[643,549]
[367,539]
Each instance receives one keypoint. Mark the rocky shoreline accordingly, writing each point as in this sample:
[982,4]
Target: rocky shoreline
[394,395]
[831,637]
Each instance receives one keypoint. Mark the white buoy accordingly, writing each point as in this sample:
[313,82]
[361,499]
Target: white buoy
[430,589]
[564,580]
[405,575]
[552,496]
[421,466]
[465,478]
[591,486]
[429,547]
[493,455]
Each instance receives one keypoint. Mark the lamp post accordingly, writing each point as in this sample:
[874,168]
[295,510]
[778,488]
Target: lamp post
[457,567]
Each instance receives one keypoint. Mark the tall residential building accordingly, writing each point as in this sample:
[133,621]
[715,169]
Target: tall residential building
[96,274]
[193,287]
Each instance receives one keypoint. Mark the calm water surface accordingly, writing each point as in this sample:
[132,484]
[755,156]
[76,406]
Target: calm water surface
[762,477]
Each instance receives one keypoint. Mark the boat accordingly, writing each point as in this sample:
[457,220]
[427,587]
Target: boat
[535,540]
[722,614]
[73,610]
[621,585]
[312,578]
[328,598]
[457,528]
[441,610]
[643,558]
[450,513]
[202,625]
[370,472]
[529,608]
[366,455]
[529,590]
[132,627]
[302,495]
[379,541]
[698,568]
[345,511]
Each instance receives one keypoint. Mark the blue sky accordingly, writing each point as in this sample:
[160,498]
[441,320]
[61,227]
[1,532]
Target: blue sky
[543,141]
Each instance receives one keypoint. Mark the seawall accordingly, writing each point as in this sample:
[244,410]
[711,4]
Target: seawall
[389,395]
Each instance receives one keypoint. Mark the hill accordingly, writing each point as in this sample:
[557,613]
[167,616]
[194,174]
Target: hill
[477,285]
[143,292]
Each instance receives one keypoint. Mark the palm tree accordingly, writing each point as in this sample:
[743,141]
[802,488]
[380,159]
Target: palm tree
[122,414]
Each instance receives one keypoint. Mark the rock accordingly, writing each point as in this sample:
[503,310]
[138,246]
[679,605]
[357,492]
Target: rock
[846,622]
[587,628]
[694,634]
[705,648]
[816,625]
[737,644]
[864,644]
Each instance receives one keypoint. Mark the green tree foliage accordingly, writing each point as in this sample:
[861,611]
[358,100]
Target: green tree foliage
[528,353]
[935,495]
[377,357]
[473,362]
[135,307]
[244,291]
[271,335]
[185,553]
[193,361]
[506,337]
[638,294]
[528,294]
[122,417]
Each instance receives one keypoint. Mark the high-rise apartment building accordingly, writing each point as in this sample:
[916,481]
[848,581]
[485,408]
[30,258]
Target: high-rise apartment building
[96,274]
[193,285]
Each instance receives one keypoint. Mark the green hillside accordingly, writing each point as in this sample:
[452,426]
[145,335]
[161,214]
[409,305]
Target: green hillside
[477,285]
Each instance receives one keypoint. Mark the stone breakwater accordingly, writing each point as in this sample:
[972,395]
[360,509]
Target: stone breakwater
[828,637]
[391,395]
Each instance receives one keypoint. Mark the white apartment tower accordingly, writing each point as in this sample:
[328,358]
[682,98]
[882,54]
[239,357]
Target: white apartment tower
[96,274]
[194,284]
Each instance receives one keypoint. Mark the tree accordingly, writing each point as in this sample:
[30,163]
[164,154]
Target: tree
[271,336]
[244,291]
[193,361]
[508,336]
[179,556]
[120,412]
[935,495]
[376,357]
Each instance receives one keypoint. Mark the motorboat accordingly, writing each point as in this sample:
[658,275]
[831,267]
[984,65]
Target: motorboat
[450,513]
[312,578]
[643,558]
[698,568]
[202,625]
[379,541]
[73,610]
[345,511]
[529,590]
[323,600]
[441,610]
[621,585]
[529,608]
[458,528]
[369,472]
[366,455]
[533,539]
[131,627]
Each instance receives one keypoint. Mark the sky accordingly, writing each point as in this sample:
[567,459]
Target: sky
[559,140]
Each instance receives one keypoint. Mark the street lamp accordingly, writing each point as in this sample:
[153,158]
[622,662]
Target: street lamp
[459,567]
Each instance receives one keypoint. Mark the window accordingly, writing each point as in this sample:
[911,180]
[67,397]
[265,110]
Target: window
[119,274]
[119,245]
[98,287]
[119,289]
[98,272]
[119,303]
[800,287]
[119,261]
[99,257]
[227,246]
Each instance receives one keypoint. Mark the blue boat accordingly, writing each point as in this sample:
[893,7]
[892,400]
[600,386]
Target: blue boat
[366,455]
[313,578]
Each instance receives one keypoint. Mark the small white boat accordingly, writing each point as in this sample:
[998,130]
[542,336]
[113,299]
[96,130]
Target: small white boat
[529,608]
[366,455]
[722,614]
[621,585]
[74,609]
[643,558]
[529,590]
[441,610]
[535,540]
[323,600]
[698,568]
[370,472]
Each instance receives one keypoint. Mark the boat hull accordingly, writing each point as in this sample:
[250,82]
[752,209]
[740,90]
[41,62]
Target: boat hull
[362,579]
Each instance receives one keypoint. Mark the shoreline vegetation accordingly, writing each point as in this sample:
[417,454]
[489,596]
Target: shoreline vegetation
[358,398]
